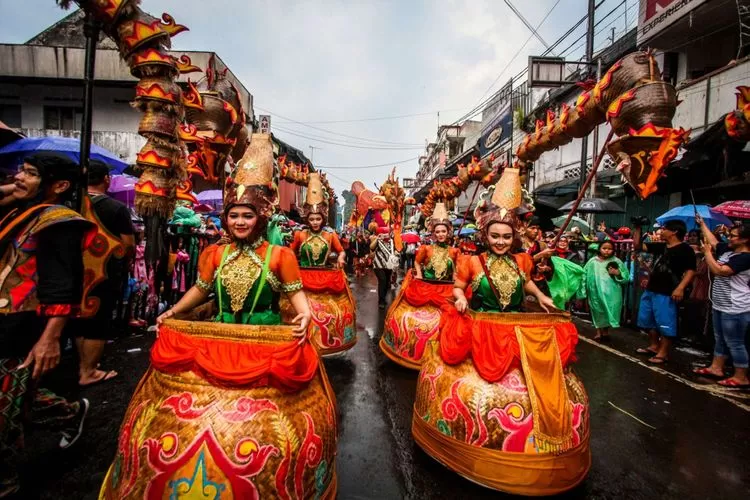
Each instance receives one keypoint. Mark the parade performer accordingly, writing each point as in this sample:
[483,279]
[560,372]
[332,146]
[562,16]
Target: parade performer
[496,401]
[41,287]
[240,407]
[413,318]
[333,326]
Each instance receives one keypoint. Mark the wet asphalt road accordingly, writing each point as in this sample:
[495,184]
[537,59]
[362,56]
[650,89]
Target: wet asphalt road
[680,438]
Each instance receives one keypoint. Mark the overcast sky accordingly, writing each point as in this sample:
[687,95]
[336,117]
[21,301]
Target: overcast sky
[321,61]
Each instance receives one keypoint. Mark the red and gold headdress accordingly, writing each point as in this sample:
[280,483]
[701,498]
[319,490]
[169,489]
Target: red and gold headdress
[251,182]
[316,201]
[501,202]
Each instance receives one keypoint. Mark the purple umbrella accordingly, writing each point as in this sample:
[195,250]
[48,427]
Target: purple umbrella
[211,195]
[122,188]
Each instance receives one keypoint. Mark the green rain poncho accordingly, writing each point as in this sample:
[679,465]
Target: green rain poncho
[604,292]
[565,282]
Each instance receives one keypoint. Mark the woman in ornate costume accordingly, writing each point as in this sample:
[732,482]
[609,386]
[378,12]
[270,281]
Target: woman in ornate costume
[414,316]
[333,326]
[496,401]
[240,407]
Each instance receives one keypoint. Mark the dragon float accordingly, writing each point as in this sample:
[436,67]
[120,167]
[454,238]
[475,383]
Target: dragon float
[384,208]
[637,104]
[260,432]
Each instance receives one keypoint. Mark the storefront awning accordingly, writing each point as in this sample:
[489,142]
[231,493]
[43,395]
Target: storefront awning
[559,188]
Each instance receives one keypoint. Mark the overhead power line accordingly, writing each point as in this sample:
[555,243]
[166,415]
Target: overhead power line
[357,167]
[375,119]
[533,30]
[363,139]
[518,52]
[345,145]
[312,135]
[479,107]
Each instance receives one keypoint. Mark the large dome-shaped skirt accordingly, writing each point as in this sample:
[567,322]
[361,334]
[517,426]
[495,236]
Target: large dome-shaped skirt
[227,411]
[333,327]
[486,431]
[413,319]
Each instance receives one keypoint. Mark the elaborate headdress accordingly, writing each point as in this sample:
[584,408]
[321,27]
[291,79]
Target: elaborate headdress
[316,199]
[501,202]
[251,182]
[439,216]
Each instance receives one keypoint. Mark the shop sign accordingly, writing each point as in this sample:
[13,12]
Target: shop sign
[265,124]
[655,16]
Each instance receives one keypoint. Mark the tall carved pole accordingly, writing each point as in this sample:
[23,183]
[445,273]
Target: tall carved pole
[91,31]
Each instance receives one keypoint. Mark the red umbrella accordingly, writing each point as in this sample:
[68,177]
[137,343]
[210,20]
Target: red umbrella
[410,238]
[739,209]
[202,208]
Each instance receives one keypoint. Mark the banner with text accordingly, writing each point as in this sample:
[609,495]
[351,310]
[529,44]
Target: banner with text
[655,16]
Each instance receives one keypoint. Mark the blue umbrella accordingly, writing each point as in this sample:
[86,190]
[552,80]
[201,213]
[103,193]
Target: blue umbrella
[686,214]
[467,231]
[458,221]
[11,155]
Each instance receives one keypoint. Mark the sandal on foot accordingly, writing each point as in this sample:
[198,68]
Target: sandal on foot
[733,384]
[642,350]
[657,360]
[706,372]
[108,375]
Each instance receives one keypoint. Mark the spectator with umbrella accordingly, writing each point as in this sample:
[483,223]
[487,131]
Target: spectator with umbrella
[730,295]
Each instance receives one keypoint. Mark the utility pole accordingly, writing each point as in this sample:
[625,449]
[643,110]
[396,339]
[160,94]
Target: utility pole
[589,56]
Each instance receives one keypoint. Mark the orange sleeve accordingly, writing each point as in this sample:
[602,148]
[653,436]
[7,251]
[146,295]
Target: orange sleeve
[422,256]
[525,263]
[336,244]
[208,262]
[464,273]
[455,253]
[296,242]
[285,266]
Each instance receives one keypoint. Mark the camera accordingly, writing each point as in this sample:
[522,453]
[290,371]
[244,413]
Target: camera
[639,220]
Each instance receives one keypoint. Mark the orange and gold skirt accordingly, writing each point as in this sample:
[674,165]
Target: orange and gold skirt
[333,327]
[413,319]
[497,403]
[227,411]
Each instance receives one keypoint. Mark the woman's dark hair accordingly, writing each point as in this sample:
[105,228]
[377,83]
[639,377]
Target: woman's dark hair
[743,231]
[607,242]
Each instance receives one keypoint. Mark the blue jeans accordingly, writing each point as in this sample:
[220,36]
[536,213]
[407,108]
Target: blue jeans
[729,332]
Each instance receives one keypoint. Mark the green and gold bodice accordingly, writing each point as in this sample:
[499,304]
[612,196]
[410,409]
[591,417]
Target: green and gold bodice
[236,284]
[508,281]
[440,264]
[314,250]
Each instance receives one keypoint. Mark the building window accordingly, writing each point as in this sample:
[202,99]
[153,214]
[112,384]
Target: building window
[10,114]
[63,118]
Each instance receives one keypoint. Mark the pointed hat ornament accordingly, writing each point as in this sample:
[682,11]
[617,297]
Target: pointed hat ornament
[439,216]
[255,168]
[315,199]
[506,198]
[314,190]
[251,182]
